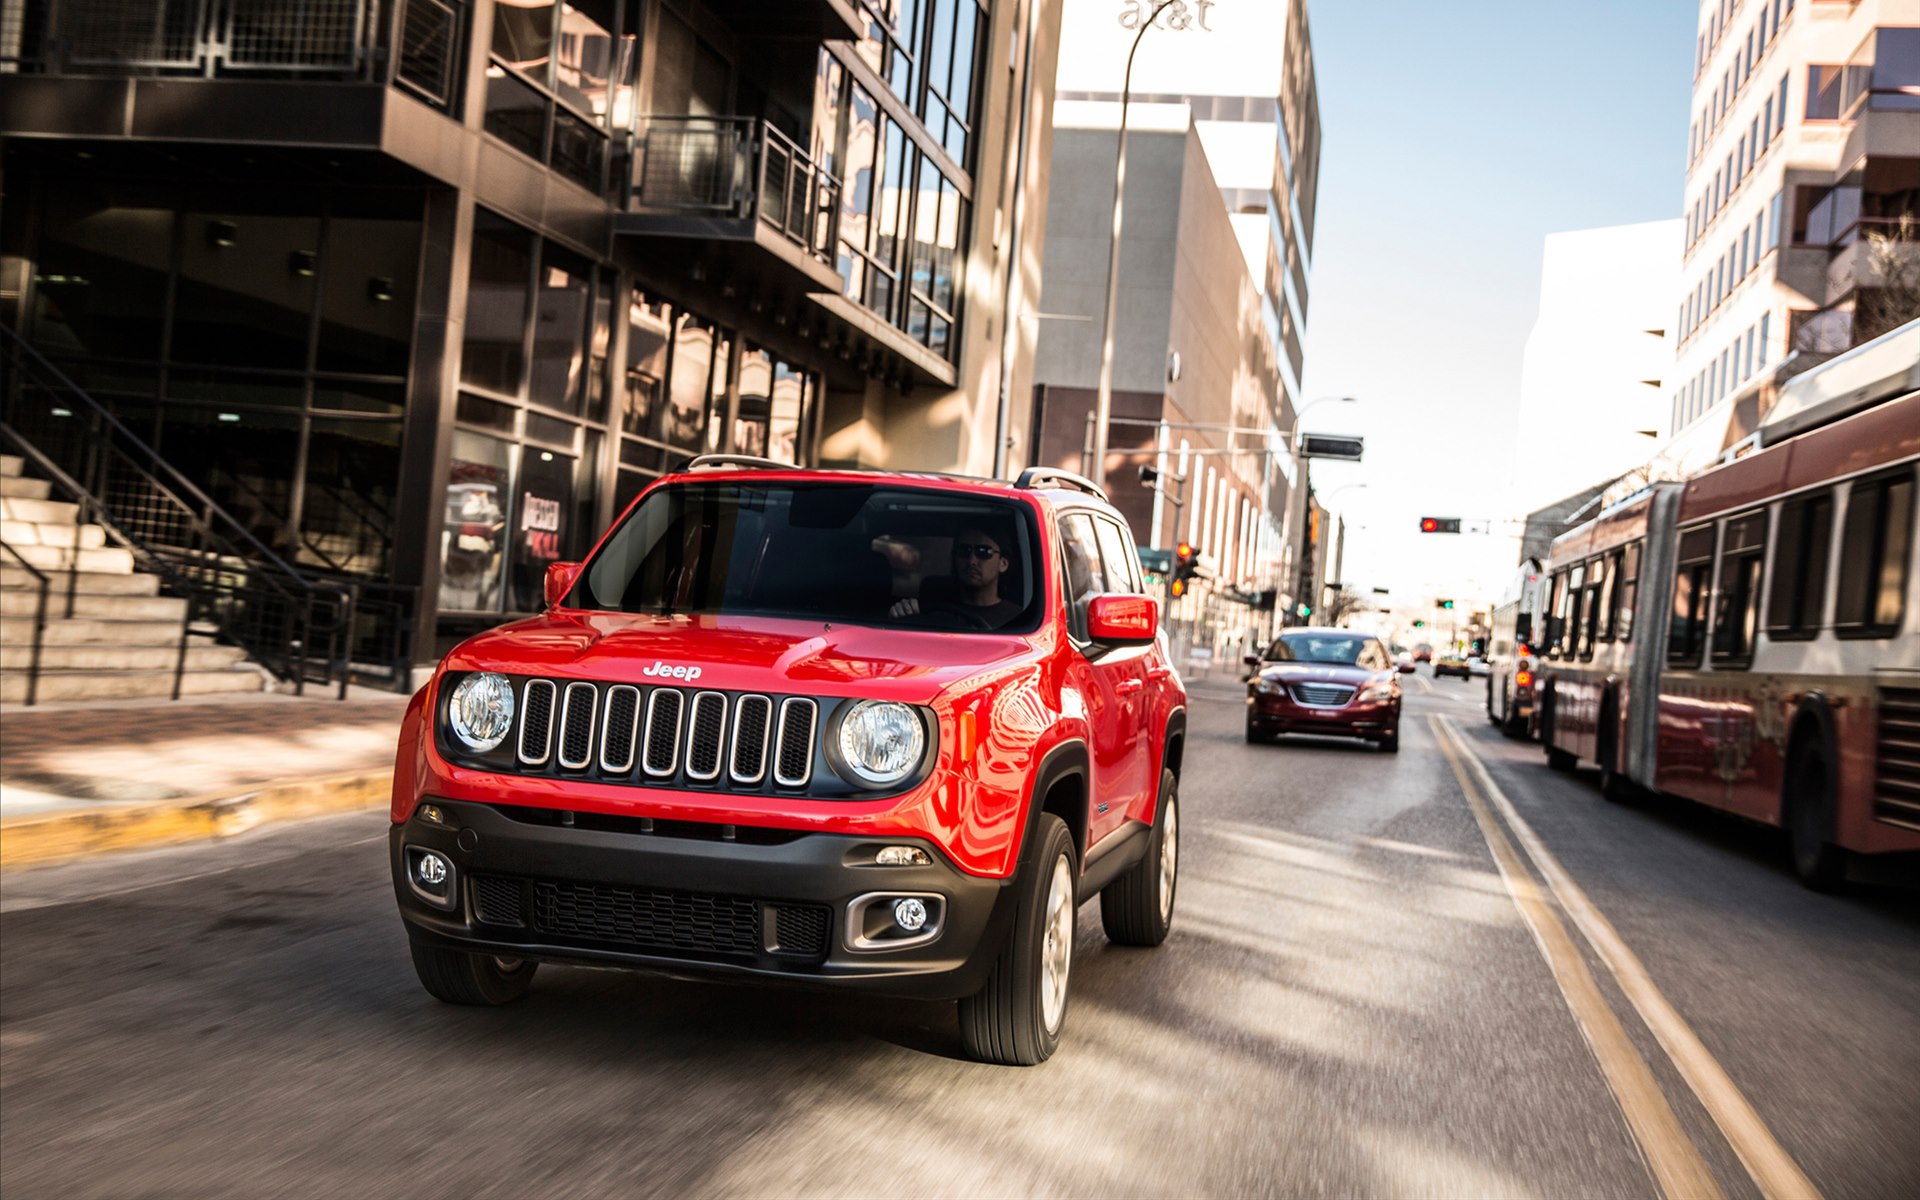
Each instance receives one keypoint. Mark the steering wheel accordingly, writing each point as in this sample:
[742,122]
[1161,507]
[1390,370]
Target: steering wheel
[953,618]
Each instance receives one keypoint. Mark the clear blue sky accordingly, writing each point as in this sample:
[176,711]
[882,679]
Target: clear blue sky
[1458,135]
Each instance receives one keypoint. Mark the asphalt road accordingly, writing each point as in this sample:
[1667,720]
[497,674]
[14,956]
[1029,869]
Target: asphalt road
[1351,1004]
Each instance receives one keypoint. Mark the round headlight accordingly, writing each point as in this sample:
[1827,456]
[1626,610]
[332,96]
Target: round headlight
[881,742]
[481,711]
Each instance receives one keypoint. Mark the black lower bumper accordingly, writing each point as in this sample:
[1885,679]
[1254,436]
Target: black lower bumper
[700,901]
[1281,716]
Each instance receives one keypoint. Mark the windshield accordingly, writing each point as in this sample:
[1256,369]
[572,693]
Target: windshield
[860,554]
[1338,649]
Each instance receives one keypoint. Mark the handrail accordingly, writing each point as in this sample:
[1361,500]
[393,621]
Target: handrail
[232,581]
[39,616]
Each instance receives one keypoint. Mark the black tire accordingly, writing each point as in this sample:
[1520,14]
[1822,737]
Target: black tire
[1560,760]
[1557,759]
[1004,1022]
[1137,908]
[1391,742]
[1613,785]
[1254,736]
[461,978]
[1821,865]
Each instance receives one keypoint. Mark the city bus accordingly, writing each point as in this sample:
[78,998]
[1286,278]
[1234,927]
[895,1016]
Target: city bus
[1749,639]
[1509,654]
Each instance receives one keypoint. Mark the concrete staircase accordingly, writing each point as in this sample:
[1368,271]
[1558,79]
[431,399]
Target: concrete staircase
[123,639]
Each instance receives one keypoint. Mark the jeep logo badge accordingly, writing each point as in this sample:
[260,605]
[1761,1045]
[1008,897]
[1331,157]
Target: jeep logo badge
[669,671]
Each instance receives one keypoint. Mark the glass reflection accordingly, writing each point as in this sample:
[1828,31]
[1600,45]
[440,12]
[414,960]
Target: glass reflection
[473,533]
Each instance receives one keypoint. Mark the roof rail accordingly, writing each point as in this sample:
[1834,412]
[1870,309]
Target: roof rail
[703,461]
[1053,477]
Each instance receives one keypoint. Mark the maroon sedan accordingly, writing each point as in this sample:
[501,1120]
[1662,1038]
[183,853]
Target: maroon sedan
[1328,681]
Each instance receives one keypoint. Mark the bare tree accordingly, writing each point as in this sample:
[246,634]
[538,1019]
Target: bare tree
[1341,605]
[1892,260]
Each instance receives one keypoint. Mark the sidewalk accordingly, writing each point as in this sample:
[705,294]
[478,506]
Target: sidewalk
[78,779]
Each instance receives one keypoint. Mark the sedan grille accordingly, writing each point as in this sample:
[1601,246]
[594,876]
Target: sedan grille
[621,733]
[1323,695]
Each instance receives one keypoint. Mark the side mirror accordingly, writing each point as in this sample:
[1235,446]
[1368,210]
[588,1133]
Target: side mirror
[560,578]
[1123,620]
[1252,660]
[1406,668]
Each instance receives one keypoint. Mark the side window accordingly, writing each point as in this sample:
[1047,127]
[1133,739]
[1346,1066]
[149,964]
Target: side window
[1742,549]
[1570,639]
[1590,616]
[1123,566]
[1875,547]
[1690,576]
[1084,576]
[1556,616]
[1628,590]
[1797,588]
[1610,602]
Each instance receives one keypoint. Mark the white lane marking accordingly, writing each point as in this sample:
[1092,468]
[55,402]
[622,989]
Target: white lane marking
[1678,1170]
[1773,1170]
[1425,687]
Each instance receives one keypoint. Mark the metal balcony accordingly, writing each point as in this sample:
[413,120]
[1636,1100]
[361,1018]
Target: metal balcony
[740,196]
[814,20]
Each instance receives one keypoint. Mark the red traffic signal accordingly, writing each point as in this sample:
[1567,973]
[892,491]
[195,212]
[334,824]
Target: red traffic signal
[1439,524]
[1184,551]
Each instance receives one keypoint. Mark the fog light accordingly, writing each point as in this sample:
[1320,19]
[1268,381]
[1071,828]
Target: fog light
[432,812]
[903,856]
[432,869]
[910,914]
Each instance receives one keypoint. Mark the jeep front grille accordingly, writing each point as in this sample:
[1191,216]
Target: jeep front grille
[665,736]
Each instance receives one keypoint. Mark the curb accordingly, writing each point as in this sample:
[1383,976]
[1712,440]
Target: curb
[61,837]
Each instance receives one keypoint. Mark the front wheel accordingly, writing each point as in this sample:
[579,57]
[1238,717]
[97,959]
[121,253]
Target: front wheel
[1819,863]
[1391,742]
[1015,1019]
[457,977]
[1137,908]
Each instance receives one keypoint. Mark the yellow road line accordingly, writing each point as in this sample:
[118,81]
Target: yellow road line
[1773,1170]
[1677,1167]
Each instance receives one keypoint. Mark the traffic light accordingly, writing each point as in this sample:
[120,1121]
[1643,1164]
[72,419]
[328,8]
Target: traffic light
[1419,624]
[1439,524]
[1443,604]
[1185,566]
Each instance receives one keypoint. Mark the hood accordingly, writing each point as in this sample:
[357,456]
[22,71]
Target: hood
[1299,672]
[740,654]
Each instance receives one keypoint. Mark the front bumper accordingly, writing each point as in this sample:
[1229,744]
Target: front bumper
[1271,713]
[702,901]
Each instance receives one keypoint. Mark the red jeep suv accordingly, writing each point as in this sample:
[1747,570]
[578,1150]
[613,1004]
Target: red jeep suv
[837,728]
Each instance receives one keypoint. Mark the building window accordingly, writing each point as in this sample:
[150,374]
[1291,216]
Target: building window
[928,53]
[1896,69]
[1824,83]
[560,81]
[1798,586]
[1876,544]
[473,537]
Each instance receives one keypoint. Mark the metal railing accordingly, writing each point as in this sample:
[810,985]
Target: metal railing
[415,43]
[39,615]
[237,589]
[736,167]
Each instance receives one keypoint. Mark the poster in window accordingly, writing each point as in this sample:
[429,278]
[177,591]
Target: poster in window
[545,498]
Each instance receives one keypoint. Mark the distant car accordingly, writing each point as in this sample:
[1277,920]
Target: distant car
[1451,662]
[1329,681]
[1423,653]
[1477,667]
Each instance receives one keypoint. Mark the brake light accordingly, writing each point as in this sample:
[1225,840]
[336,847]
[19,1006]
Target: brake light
[1523,679]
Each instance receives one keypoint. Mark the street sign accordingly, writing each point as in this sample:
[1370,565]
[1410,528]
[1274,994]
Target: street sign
[1156,562]
[1340,447]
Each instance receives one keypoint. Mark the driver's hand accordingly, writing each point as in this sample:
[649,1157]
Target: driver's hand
[904,608]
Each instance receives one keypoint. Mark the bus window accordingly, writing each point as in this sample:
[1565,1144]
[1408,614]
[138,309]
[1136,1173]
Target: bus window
[1569,639]
[1628,590]
[1590,609]
[1797,589]
[1556,617]
[1875,545]
[1741,550]
[1690,597]
[1610,603]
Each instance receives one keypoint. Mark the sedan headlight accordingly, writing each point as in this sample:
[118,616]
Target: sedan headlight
[1268,687]
[1377,693]
[481,711]
[881,742]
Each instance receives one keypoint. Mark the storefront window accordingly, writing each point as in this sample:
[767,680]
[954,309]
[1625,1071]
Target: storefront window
[245,293]
[367,295]
[492,355]
[100,281]
[561,329]
[649,333]
[347,514]
[696,345]
[473,539]
[544,501]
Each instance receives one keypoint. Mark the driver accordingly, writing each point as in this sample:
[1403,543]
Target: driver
[979,561]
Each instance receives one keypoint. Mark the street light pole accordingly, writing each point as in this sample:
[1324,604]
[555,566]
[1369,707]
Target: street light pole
[1297,504]
[1103,402]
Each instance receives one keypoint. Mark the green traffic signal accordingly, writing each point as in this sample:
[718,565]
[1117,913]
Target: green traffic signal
[1419,624]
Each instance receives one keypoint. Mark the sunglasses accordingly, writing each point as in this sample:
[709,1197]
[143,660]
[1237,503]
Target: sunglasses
[981,551]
